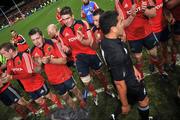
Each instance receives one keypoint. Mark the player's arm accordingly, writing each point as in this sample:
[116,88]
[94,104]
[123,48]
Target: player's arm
[85,34]
[122,14]
[122,91]
[14,42]
[64,44]
[21,41]
[61,59]
[131,17]
[170,4]
[168,15]
[138,75]
[95,6]
[149,8]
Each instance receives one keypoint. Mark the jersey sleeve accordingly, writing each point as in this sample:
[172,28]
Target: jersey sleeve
[85,30]
[27,63]
[9,66]
[27,68]
[21,40]
[64,40]
[119,8]
[58,50]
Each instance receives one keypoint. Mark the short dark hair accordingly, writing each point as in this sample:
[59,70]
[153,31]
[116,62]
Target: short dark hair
[34,31]
[66,10]
[12,31]
[98,11]
[107,20]
[7,46]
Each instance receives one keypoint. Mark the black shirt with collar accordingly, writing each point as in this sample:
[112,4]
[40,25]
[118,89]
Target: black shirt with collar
[118,59]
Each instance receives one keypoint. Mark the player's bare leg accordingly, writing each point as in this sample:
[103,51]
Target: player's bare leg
[157,62]
[78,94]
[104,81]
[165,56]
[54,98]
[68,99]
[88,85]
[42,102]
[139,62]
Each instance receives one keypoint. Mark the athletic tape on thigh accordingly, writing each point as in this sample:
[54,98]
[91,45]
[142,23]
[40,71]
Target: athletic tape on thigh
[86,79]
[14,92]
[155,37]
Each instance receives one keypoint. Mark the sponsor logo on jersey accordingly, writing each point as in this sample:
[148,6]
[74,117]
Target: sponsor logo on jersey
[72,39]
[17,69]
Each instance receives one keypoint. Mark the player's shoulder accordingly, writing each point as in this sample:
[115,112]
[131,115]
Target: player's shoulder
[33,48]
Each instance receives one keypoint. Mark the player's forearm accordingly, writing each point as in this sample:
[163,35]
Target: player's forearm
[86,42]
[150,12]
[58,61]
[122,91]
[128,21]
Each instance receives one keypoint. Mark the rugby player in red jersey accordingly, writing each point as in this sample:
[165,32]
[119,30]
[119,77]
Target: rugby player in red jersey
[19,41]
[58,16]
[20,67]
[12,98]
[159,25]
[75,36]
[54,35]
[174,7]
[54,63]
[136,14]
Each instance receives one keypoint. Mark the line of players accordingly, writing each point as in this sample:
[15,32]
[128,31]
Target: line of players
[144,26]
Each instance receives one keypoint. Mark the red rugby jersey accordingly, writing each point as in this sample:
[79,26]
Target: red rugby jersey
[21,43]
[139,27]
[56,73]
[69,37]
[158,23]
[21,67]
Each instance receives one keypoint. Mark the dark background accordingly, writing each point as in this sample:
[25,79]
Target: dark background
[9,3]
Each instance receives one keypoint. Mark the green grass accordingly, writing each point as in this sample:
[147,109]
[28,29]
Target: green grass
[161,94]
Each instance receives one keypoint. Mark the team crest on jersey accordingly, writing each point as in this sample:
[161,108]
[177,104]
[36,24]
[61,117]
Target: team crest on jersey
[49,48]
[19,62]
